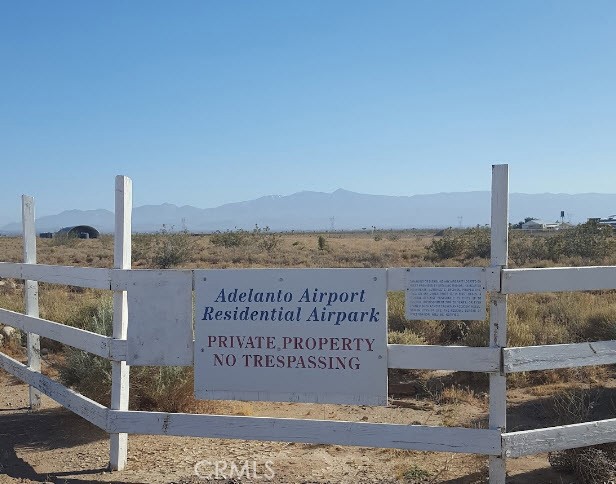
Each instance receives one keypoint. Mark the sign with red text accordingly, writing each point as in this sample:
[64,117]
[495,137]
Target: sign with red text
[296,335]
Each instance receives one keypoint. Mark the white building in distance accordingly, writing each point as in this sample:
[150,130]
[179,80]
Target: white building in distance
[540,225]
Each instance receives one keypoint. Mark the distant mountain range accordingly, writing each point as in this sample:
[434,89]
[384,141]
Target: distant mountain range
[342,210]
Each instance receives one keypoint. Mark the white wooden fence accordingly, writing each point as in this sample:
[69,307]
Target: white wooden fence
[497,360]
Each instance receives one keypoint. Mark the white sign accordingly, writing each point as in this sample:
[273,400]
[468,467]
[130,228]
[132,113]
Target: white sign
[446,293]
[298,335]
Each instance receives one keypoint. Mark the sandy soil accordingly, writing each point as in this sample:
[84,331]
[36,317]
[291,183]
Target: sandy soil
[54,445]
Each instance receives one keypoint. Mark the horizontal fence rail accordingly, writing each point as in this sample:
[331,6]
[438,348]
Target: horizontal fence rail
[558,279]
[92,277]
[551,357]
[432,357]
[528,442]
[397,436]
[94,343]
[88,409]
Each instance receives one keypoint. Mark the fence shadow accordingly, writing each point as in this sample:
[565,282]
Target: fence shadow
[537,476]
[546,411]
[593,404]
[542,476]
[45,430]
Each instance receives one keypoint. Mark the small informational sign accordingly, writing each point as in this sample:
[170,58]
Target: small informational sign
[446,293]
[298,335]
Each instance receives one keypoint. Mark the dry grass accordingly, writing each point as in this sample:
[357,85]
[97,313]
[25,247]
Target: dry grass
[406,337]
[292,250]
[534,319]
[457,394]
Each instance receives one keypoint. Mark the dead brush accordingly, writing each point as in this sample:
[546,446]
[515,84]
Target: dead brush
[589,465]
[163,389]
[456,394]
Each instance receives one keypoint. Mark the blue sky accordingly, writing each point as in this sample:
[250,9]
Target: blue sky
[204,102]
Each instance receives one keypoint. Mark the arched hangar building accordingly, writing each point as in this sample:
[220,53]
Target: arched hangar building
[79,231]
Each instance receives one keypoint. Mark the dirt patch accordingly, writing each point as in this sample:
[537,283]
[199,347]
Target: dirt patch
[54,445]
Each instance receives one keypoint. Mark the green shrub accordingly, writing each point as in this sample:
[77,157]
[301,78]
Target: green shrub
[416,474]
[477,243]
[164,249]
[322,242]
[447,247]
[406,337]
[464,244]
[64,240]
[478,334]
[87,373]
[590,241]
[171,248]
[599,324]
[264,239]
[229,238]
[167,389]
[396,319]
[260,239]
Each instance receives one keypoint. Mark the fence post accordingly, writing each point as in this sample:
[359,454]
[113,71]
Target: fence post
[498,311]
[119,369]
[31,302]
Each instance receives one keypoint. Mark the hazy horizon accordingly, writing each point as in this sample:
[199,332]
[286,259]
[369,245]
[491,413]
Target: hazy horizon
[342,209]
[205,103]
[5,218]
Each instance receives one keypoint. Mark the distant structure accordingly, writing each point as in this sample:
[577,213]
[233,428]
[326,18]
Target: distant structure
[610,220]
[539,225]
[79,231]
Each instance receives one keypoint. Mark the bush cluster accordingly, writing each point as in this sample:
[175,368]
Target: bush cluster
[588,465]
[260,238]
[590,242]
[461,244]
[322,242]
[230,238]
[165,249]
[167,389]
